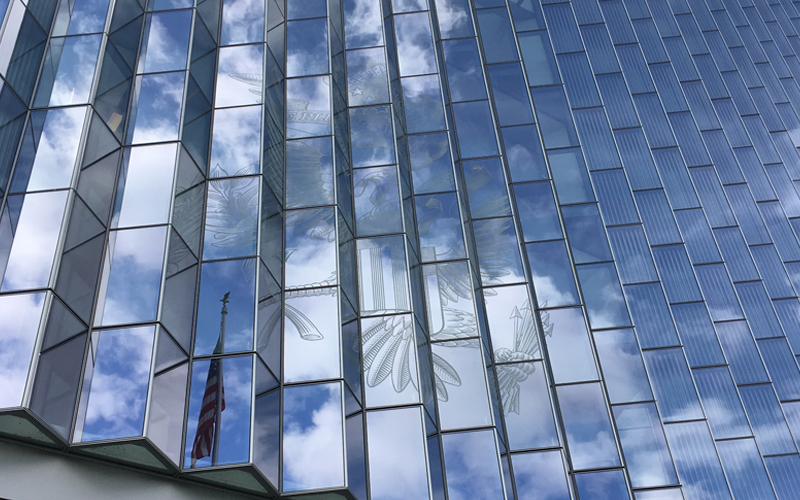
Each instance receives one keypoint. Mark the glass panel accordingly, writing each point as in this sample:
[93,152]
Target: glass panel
[210,378]
[130,292]
[423,104]
[376,201]
[167,41]
[30,257]
[233,281]
[371,136]
[512,327]
[383,280]
[450,308]
[311,339]
[475,129]
[242,21]
[308,108]
[439,224]
[19,324]
[589,433]
[569,347]
[540,476]
[157,111]
[510,95]
[526,406]
[623,369]
[470,459]
[366,75]
[306,47]
[235,143]
[745,470]
[309,173]
[57,380]
[673,385]
[644,446]
[552,274]
[537,211]
[486,186]
[231,218]
[310,248]
[362,23]
[414,44]
[266,430]
[239,74]
[696,460]
[461,384]
[464,74]
[603,295]
[397,455]
[498,251]
[524,154]
[146,185]
[570,176]
[390,361]
[115,384]
[585,232]
[67,78]
[165,423]
[431,166]
[313,445]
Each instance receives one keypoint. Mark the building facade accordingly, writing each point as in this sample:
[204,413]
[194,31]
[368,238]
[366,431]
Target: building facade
[401,249]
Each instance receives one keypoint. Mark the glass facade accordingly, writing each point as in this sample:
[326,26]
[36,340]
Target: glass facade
[406,249]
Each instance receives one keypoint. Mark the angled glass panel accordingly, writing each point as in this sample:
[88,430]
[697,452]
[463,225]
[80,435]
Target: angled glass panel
[306,47]
[311,339]
[603,485]
[157,108]
[644,446]
[603,295]
[423,104]
[308,107]
[785,474]
[371,136]
[511,324]
[235,141]
[28,259]
[746,472]
[431,166]
[510,95]
[721,403]
[524,153]
[55,137]
[165,423]
[498,251]
[130,292]
[439,225]
[167,41]
[362,24]
[570,176]
[366,75]
[585,232]
[234,281]
[741,351]
[696,460]
[377,201]
[448,291]
[58,380]
[552,274]
[146,185]
[85,16]
[118,371]
[69,69]
[464,73]
[569,347]
[767,419]
[242,21]
[390,361]
[397,454]
[537,210]
[414,44]
[229,382]
[497,36]
[19,317]
[486,187]
[310,248]
[383,276]
[470,459]
[231,218]
[313,443]
[589,433]
[461,384]
[475,129]
[623,369]
[672,384]
[526,406]
[309,173]
[239,75]
[540,476]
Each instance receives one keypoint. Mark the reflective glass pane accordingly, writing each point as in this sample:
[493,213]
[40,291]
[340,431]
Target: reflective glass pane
[371,136]
[608,485]
[431,166]
[486,186]
[569,347]
[439,225]
[603,295]
[130,291]
[552,274]
[146,186]
[383,278]
[390,361]
[113,403]
[585,232]
[242,21]
[538,215]
[167,41]
[313,455]
[498,251]
[448,291]
[470,459]
[540,476]
[524,154]
[239,75]
[570,176]
[70,64]
[461,384]
[464,74]
[229,380]
[233,280]
[475,129]
[158,108]
[414,44]
[310,248]
[589,433]
[306,47]
[397,455]
[231,218]
[644,446]
[309,173]
[19,323]
[235,142]
[423,104]
[376,201]
[511,324]
[311,339]
[526,404]
[696,460]
[165,424]
[366,74]
[308,107]
[623,369]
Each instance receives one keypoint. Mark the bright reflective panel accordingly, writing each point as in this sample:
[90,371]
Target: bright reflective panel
[607,485]
[589,433]
[309,173]
[242,21]
[313,445]
[461,384]
[512,327]
[231,218]
[383,282]
[423,104]
[30,254]
[310,248]
[70,64]
[235,142]
[439,226]
[362,24]
[233,377]
[644,446]
[234,277]
[308,107]
[146,185]
[311,339]
[473,471]
[372,137]
[538,215]
[623,369]
[165,424]
[19,323]
[130,292]
[366,74]
[306,47]
[486,188]
[431,166]
[397,454]
[85,16]
[376,201]
[239,75]
[552,274]
[569,347]
[414,44]
[450,308]
[115,384]
[390,361]
[525,398]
